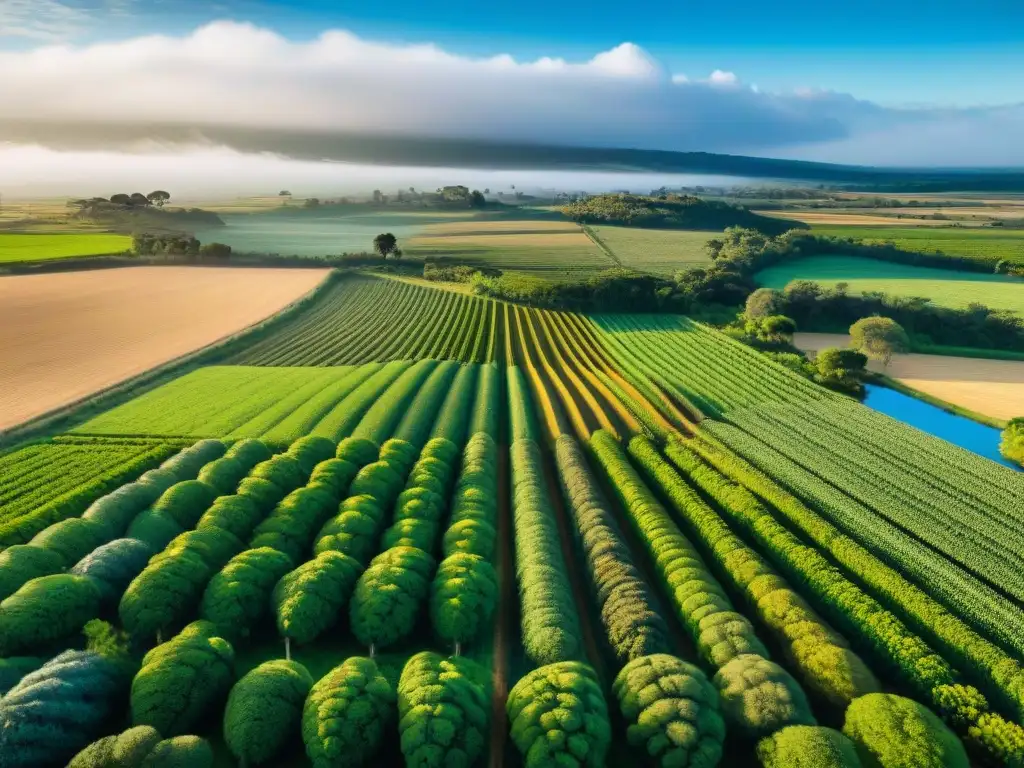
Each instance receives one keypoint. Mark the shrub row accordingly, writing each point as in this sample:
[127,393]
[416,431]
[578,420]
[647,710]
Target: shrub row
[672,711]
[559,717]
[237,597]
[308,600]
[474,509]
[861,616]
[725,639]
[629,613]
[420,508]
[462,598]
[550,622]
[388,596]
[444,706]
[183,681]
[822,658]
[347,714]
[142,747]
[264,710]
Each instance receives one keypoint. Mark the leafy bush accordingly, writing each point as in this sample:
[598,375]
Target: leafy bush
[293,524]
[807,746]
[309,600]
[183,680]
[379,480]
[155,481]
[112,566]
[238,596]
[417,503]
[264,709]
[23,562]
[672,710]
[142,747]
[389,595]
[224,474]
[411,532]
[336,473]
[156,529]
[310,451]
[186,502]
[760,697]
[238,515]
[894,732]
[443,709]
[263,493]
[281,470]
[1012,444]
[550,623]
[358,451]
[347,713]
[116,510]
[58,709]
[45,610]
[249,451]
[72,539]
[470,537]
[16,667]
[186,464]
[462,597]
[630,616]
[354,530]
[559,717]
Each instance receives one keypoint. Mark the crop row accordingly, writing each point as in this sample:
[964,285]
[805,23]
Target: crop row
[363,319]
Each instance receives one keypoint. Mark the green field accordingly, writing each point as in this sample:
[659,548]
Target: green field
[945,287]
[660,251]
[16,248]
[987,244]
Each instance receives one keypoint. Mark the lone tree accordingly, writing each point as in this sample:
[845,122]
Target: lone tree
[386,244]
[879,338]
[285,196]
[159,198]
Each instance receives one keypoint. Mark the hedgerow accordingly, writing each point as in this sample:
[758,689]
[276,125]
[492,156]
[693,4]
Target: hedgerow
[183,680]
[238,596]
[822,658]
[72,539]
[892,731]
[354,530]
[559,717]
[142,747]
[759,697]
[389,595]
[672,711]
[22,562]
[186,464]
[443,710]
[264,710]
[45,610]
[112,566]
[807,746]
[309,600]
[293,524]
[347,713]
[550,622]
[628,612]
[310,451]
[462,597]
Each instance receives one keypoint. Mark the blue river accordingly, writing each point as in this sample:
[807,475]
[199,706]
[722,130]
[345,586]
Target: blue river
[979,438]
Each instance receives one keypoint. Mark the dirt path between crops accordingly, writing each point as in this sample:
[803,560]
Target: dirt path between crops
[992,387]
[67,335]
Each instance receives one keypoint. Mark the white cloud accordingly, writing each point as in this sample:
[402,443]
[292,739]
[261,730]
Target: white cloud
[45,20]
[231,74]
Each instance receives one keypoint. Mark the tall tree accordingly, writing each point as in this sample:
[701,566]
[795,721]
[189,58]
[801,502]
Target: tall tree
[158,197]
[879,338]
[386,244]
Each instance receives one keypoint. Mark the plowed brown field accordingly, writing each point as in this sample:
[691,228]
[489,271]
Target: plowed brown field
[65,336]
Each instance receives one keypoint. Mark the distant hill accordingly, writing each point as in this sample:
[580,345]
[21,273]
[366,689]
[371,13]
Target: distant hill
[672,212]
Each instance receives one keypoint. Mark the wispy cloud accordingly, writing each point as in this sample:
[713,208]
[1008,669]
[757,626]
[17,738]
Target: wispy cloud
[57,20]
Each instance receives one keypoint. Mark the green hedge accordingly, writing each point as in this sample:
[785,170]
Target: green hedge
[462,597]
[238,596]
[264,710]
[892,731]
[309,600]
[389,595]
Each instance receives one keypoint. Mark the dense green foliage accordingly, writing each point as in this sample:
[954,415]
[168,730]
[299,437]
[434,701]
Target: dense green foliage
[45,610]
[185,502]
[59,708]
[142,747]
[13,668]
[474,506]
[628,610]
[819,655]
[894,732]
[183,680]
[293,525]
[187,464]
[807,746]
[339,422]
[559,717]
[671,212]
[310,451]
[354,530]
[462,597]
[238,596]
[112,566]
[672,711]
[1012,445]
[72,539]
[550,622]
[389,595]
[381,419]
[415,425]
[22,562]
[759,697]
[347,713]
[309,600]
[264,710]
[443,710]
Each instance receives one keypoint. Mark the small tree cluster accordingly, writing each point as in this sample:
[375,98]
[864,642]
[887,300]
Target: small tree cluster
[760,697]
[550,621]
[889,730]
[879,338]
[672,710]
[631,619]
[807,746]
[170,587]
[45,610]
[443,710]
[559,717]
[187,463]
[142,747]
[309,600]
[462,597]
[237,598]
[354,530]
[112,566]
[1012,444]
[264,710]
[347,713]
[59,708]
[389,595]
[171,245]
[183,680]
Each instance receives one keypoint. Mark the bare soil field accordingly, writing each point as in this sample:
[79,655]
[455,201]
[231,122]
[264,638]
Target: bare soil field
[992,387]
[65,336]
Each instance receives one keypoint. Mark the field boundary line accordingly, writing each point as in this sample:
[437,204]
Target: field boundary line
[596,240]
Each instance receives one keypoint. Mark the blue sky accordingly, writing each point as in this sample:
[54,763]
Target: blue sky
[895,52]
